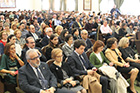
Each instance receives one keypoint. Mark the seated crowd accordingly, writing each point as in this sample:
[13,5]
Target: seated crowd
[46,52]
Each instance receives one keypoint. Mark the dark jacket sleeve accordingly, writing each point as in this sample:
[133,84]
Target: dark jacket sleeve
[24,85]
[72,64]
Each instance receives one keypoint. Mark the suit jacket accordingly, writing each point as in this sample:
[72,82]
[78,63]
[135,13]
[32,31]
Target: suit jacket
[45,41]
[23,57]
[75,25]
[29,82]
[113,57]
[30,34]
[89,44]
[76,65]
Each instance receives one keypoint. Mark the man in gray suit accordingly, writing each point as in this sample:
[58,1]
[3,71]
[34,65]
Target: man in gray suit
[36,76]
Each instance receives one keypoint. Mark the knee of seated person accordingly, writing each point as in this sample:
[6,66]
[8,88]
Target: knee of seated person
[83,91]
[135,70]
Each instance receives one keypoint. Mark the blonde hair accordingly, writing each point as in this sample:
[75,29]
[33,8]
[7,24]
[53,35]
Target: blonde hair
[123,41]
[15,32]
[55,52]
[58,27]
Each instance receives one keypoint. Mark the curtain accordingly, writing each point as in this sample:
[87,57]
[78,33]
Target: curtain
[99,4]
[118,3]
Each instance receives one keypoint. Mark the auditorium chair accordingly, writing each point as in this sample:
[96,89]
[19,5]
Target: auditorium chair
[137,42]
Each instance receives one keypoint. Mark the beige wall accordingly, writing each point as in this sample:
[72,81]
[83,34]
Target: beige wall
[36,5]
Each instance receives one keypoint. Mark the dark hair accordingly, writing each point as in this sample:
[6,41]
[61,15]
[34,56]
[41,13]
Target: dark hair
[98,44]
[51,38]
[68,37]
[9,37]
[78,43]
[110,42]
[62,34]
[27,39]
[7,48]
[123,24]
[74,30]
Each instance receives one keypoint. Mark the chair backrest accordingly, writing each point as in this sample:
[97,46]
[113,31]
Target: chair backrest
[93,41]
[137,42]
[89,51]
[44,50]
[49,62]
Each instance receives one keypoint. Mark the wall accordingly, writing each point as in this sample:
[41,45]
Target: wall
[36,5]
[21,4]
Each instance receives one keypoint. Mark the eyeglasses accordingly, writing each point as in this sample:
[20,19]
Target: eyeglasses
[35,57]
[32,42]
[59,56]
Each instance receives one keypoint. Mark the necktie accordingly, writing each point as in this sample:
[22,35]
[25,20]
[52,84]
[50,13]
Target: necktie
[44,83]
[84,62]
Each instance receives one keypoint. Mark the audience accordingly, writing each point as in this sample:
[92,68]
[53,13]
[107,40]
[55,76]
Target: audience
[41,25]
[63,74]
[80,65]
[114,55]
[36,77]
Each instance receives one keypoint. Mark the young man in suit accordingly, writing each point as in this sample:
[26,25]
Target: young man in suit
[36,76]
[80,65]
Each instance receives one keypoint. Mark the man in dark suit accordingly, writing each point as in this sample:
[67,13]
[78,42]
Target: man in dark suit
[45,40]
[36,76]
[84,36]
[77,24]
[30,44]
[35,35]
[80,65]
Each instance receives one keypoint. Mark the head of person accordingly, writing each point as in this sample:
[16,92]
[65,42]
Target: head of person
[16,20]
[105,23]
[58,29]
[76,32]
[98,46]
[22,26]
[112,43]
[77,18]
[54,40]
[49,31]
[69,39]
[14,26]
[90,20]
[30,42]
[84,34]
[6,26]
[32,29]
[24,21]
[3,35]
[17,33]
[57,55]
[9,49]
[79,46]
[124,25]
[33,57]
[96,19]
[35,22]
[11,38]
[124,42]
[63,34]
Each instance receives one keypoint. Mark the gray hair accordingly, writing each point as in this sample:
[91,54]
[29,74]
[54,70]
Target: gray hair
[123,41]
[48,29]
[28,53]
[83,31]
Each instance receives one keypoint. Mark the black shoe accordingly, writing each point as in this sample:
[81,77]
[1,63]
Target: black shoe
[130,91]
